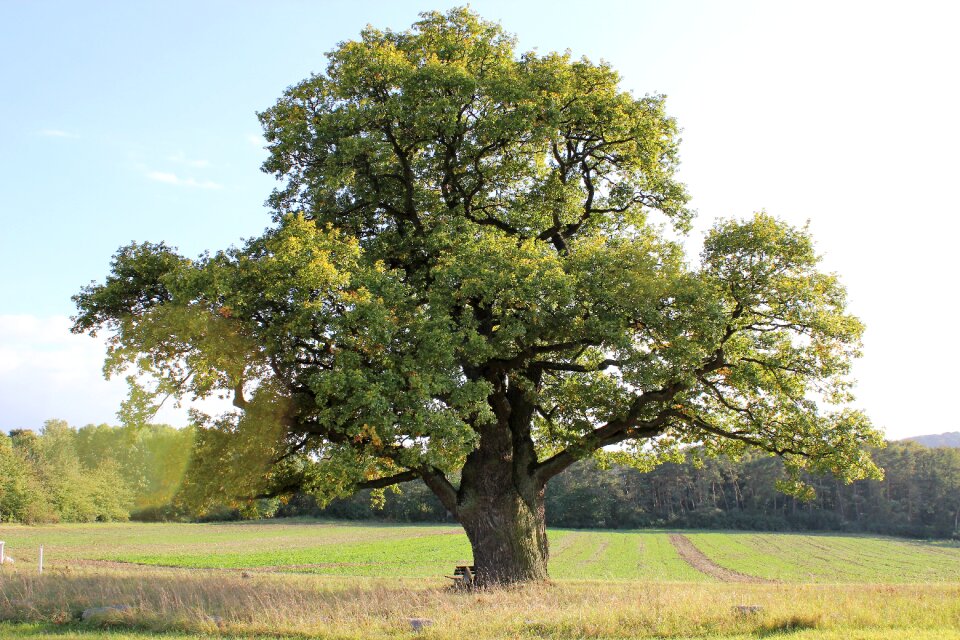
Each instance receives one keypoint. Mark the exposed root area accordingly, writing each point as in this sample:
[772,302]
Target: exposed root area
[699,561]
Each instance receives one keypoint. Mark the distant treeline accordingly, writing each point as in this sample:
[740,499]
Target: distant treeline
[107,473]
[919,497]
[96,473]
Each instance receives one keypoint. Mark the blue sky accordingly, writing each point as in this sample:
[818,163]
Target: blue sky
[128,121]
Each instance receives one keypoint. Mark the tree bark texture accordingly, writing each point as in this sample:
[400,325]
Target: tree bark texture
[500,501]
[507,532]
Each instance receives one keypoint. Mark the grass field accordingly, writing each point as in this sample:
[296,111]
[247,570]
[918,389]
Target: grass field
[310,579]
[387,551]
[822,558]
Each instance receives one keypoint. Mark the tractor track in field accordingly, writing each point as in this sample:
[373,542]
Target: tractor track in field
[289,568]
[699,561]
[121,564]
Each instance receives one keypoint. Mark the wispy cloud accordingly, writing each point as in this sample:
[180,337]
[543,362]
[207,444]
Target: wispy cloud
[57,133]
[181,158]
[256,139]
[172,178]
[48,372]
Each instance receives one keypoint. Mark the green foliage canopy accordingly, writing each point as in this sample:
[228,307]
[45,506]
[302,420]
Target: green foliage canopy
[469,240]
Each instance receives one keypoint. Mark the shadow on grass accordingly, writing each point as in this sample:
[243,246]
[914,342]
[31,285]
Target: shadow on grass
[792,624]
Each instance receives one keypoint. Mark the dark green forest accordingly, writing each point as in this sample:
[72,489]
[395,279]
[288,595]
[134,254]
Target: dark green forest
[106,473]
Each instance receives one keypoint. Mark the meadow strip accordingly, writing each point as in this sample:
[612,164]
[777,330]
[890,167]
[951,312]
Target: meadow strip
[339,607]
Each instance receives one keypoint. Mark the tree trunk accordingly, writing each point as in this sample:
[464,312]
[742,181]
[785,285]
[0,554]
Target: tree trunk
[500,500]
[508,535]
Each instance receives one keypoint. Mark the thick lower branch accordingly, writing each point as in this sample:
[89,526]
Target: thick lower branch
[576,367]
[558,463]
[437,482]
[287,487]
[387,481]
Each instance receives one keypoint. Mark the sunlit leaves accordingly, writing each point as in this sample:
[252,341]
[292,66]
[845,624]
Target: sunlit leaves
[457,223]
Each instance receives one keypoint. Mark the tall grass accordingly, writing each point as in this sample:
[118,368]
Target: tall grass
[226,602]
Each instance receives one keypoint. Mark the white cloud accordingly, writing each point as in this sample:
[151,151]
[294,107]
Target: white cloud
[256,140]
[160,176]
[172,178]
[181,158]
[47,372]
[10,359]
[57,133]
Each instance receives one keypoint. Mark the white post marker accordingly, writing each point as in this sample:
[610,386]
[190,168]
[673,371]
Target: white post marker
[2,545]
[41,558]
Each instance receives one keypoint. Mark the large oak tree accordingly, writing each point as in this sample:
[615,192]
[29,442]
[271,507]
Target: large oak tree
[471,282]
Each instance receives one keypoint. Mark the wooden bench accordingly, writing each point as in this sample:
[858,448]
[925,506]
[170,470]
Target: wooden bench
[463,575]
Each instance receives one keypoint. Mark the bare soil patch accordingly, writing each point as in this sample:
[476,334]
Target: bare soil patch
[699,561]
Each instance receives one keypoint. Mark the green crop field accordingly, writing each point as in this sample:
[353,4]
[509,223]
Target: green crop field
[340,580]
[828,558]
[432,550]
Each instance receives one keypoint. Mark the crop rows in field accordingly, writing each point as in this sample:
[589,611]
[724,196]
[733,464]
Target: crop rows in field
[89,540]
[831,558]
[429,552]
[433,550]
[425,551]
[609,555]
[345,547]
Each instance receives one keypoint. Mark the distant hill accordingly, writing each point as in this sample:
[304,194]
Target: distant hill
[949,439]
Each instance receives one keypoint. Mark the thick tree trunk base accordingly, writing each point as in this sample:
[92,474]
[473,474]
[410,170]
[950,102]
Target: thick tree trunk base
[509,540]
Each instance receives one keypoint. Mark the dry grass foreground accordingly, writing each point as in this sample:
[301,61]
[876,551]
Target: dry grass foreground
[225,603]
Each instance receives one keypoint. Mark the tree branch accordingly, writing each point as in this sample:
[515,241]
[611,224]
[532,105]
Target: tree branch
[574,367]
[628,426]
[380,483]
[610,433]
[238,400]
[702,424]
[441,487]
